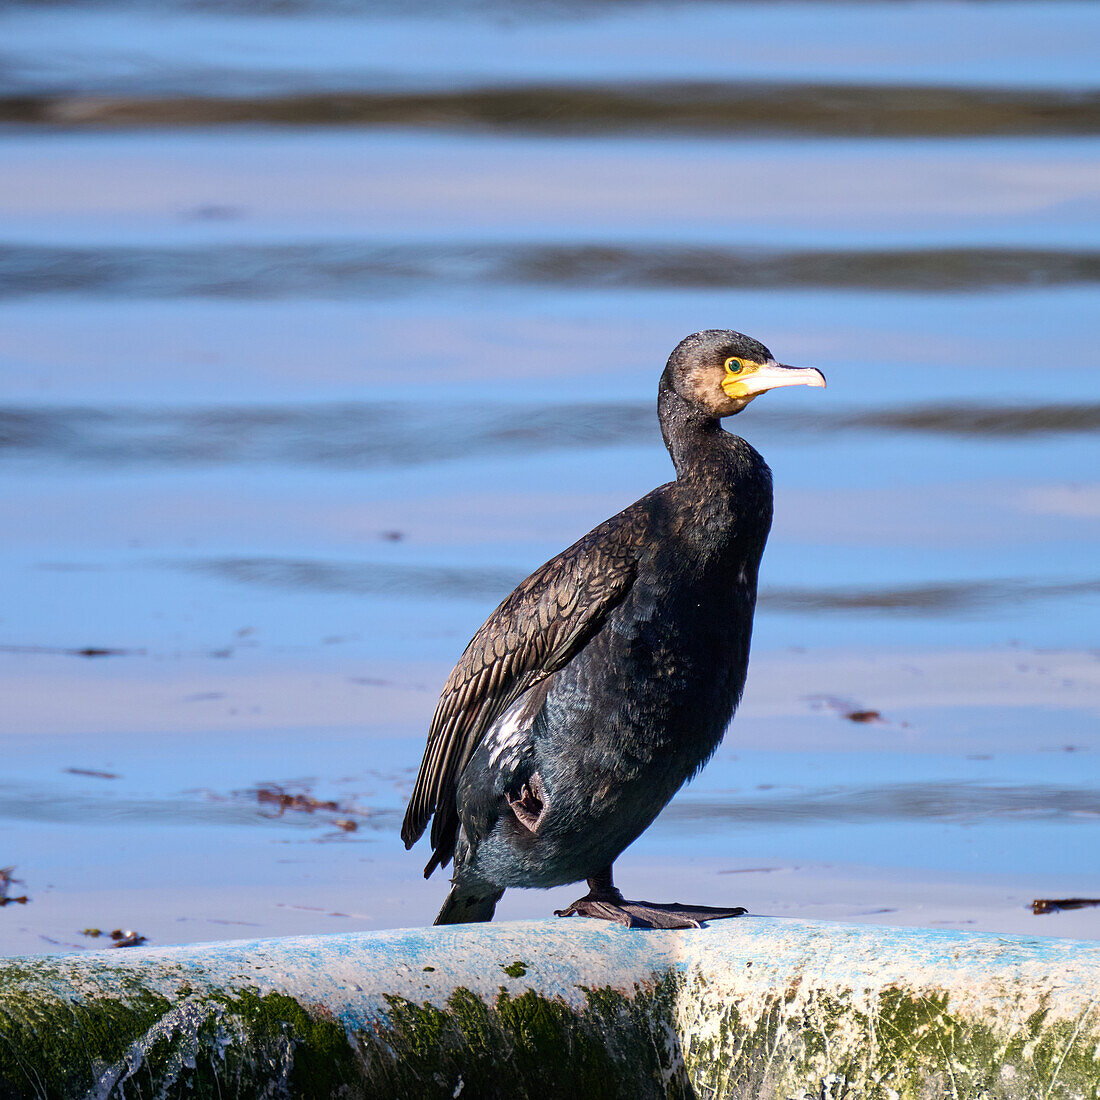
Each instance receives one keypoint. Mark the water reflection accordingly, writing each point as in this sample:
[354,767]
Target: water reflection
[927,599]
[742,108]
[355,270]
[364,578]
[452,582]
[948,801]
[954,801]
[364,435]
[354,436]
[21,802]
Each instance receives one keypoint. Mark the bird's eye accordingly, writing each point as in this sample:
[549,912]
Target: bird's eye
[735,366]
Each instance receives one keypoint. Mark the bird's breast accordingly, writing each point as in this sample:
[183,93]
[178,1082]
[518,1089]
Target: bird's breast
[667,669]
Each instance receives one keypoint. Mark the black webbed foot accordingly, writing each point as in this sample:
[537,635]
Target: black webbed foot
[602,908]
[645,914]
[604,902]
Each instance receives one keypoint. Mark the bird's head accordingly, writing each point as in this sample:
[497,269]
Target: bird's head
[720,371]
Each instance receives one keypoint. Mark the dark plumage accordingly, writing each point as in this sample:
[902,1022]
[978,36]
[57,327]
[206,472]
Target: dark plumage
[607,678]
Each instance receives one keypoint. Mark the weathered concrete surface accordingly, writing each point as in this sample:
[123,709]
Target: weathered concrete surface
[755,1007]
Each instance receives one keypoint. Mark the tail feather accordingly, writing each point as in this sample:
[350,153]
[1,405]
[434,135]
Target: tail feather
[462,907]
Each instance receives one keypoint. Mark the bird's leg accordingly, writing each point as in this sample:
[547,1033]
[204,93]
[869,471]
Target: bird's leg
[604,902]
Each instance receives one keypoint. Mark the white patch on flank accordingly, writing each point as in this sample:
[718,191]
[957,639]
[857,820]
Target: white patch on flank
[509,733]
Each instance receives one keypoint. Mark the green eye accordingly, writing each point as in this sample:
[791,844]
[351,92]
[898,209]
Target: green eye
[735,366]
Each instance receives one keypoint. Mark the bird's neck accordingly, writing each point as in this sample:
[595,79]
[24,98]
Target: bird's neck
[695,440]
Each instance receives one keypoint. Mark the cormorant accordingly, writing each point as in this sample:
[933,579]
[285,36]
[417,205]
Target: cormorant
[607,678]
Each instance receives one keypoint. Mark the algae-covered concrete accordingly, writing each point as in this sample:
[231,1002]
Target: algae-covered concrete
[748,1008]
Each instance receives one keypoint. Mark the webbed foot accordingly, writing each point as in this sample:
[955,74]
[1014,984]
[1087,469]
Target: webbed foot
[645,914]
[604,902]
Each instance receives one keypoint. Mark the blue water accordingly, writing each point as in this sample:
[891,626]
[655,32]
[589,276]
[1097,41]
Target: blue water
[290,398]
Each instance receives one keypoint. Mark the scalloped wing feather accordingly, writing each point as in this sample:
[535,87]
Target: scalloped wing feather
[535,632]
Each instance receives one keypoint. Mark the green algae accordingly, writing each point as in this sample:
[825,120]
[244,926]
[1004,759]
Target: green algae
[311,1048]
[670,1038]
[136,1044]
[906,1046]
[529,1046]
[51,1046]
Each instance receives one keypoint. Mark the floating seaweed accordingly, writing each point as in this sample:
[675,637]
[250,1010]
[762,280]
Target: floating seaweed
[6,880]
[1056,905]
[122,937]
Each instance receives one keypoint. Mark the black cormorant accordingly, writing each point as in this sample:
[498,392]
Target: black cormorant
[607,678]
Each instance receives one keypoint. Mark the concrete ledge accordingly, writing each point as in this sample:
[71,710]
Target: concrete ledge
[753,1008]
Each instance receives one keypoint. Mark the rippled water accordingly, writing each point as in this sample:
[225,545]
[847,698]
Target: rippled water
[321,324]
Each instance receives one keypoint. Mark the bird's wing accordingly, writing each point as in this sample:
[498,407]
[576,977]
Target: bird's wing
[536,631]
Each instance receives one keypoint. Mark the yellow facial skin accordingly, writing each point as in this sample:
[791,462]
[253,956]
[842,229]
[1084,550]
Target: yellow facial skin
[746,379]
[737,371]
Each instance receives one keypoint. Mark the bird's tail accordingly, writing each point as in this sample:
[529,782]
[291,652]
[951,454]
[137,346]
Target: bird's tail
[462,907]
